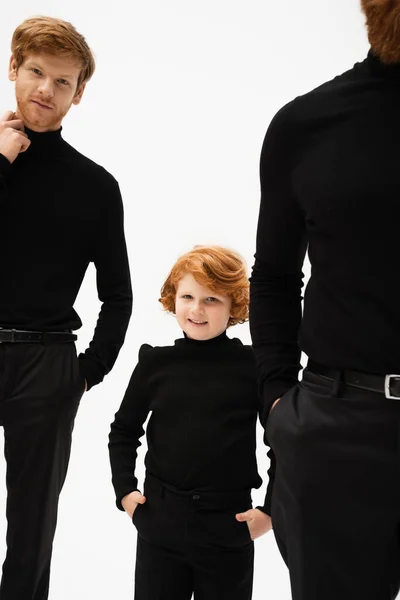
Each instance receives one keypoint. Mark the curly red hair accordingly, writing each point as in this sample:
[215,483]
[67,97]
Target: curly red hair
[220,269]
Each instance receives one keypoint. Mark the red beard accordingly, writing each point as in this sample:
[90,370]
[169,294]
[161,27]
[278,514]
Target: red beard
[383,24]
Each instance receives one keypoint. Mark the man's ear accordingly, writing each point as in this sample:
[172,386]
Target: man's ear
[12,69]
[78,94]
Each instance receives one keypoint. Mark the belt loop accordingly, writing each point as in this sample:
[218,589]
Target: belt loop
[45,338]
[336,383]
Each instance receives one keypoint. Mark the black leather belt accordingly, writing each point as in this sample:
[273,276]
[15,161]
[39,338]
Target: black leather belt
[389,385]
[13,336]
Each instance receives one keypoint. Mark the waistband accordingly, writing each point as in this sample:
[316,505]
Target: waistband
[14,336]
[204,498]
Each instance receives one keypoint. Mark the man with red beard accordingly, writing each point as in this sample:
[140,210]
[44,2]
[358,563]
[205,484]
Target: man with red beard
[330,182]
[59,211]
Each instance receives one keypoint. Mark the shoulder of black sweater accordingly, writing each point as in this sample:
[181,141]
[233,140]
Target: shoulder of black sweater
[308,105]
[303,115]
[57,148]
[186,346]
[87,163]
[144,351]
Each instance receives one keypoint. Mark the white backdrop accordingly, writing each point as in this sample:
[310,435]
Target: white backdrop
[177,111]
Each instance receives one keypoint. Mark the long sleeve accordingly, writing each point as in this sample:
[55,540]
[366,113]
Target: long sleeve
[114,291]
[127,429]
[266,507]
[276,281]
[5,169]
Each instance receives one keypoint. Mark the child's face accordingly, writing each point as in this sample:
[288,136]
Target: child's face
[200,312]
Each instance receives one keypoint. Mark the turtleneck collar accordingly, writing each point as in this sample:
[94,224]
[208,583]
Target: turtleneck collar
[380,69]
[43,140]
[211,342]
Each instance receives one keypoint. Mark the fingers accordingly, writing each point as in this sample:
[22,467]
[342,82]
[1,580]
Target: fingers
[138,497]
[25,145]
[17,124]
[245,516]
[12,120]
[9,115]
[276,402]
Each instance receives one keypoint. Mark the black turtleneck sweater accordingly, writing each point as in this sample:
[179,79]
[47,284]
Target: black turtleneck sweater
[59,211]
[201,434]
[330,180]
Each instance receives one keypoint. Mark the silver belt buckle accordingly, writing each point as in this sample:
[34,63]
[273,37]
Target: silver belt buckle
[387,387]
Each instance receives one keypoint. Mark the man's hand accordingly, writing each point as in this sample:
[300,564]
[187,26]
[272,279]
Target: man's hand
[130,502]
[13,139]
[257,522]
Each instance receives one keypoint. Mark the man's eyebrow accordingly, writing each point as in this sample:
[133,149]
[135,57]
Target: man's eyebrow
[67,76]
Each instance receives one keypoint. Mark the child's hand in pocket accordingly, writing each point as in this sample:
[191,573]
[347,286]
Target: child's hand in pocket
[257,522]
[130,502]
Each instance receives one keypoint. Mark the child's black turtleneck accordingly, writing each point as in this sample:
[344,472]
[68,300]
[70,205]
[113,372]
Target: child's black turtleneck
[59,211]
[204,404]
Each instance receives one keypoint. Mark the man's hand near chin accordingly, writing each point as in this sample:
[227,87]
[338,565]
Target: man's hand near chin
[13,138]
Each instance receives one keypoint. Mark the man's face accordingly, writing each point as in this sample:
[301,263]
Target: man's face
[383,23]
[45,89]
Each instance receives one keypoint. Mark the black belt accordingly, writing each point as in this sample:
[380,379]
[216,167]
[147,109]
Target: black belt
[389,385]
[13,336]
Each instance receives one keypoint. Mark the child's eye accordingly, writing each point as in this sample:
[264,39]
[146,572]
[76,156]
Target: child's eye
[187,296]
[212,299]
[63,81]
[36,71]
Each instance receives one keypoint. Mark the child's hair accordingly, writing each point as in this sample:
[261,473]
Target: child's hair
[45,35]
[220,269]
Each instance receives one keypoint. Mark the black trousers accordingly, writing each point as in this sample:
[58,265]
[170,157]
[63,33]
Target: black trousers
[40,390]
[190,542]
[336,499]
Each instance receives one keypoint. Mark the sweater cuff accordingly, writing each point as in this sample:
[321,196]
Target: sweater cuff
[5,170]
[121,494]
[90,371]
[265,509]
[271,391]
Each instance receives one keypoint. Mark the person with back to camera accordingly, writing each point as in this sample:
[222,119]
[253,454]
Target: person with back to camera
[59,211]
[330,179]
[195,521]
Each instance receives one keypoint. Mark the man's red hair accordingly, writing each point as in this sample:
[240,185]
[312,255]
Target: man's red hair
[45,35]
[383,24]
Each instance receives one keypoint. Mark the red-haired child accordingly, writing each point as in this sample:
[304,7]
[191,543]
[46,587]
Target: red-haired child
[195,521]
